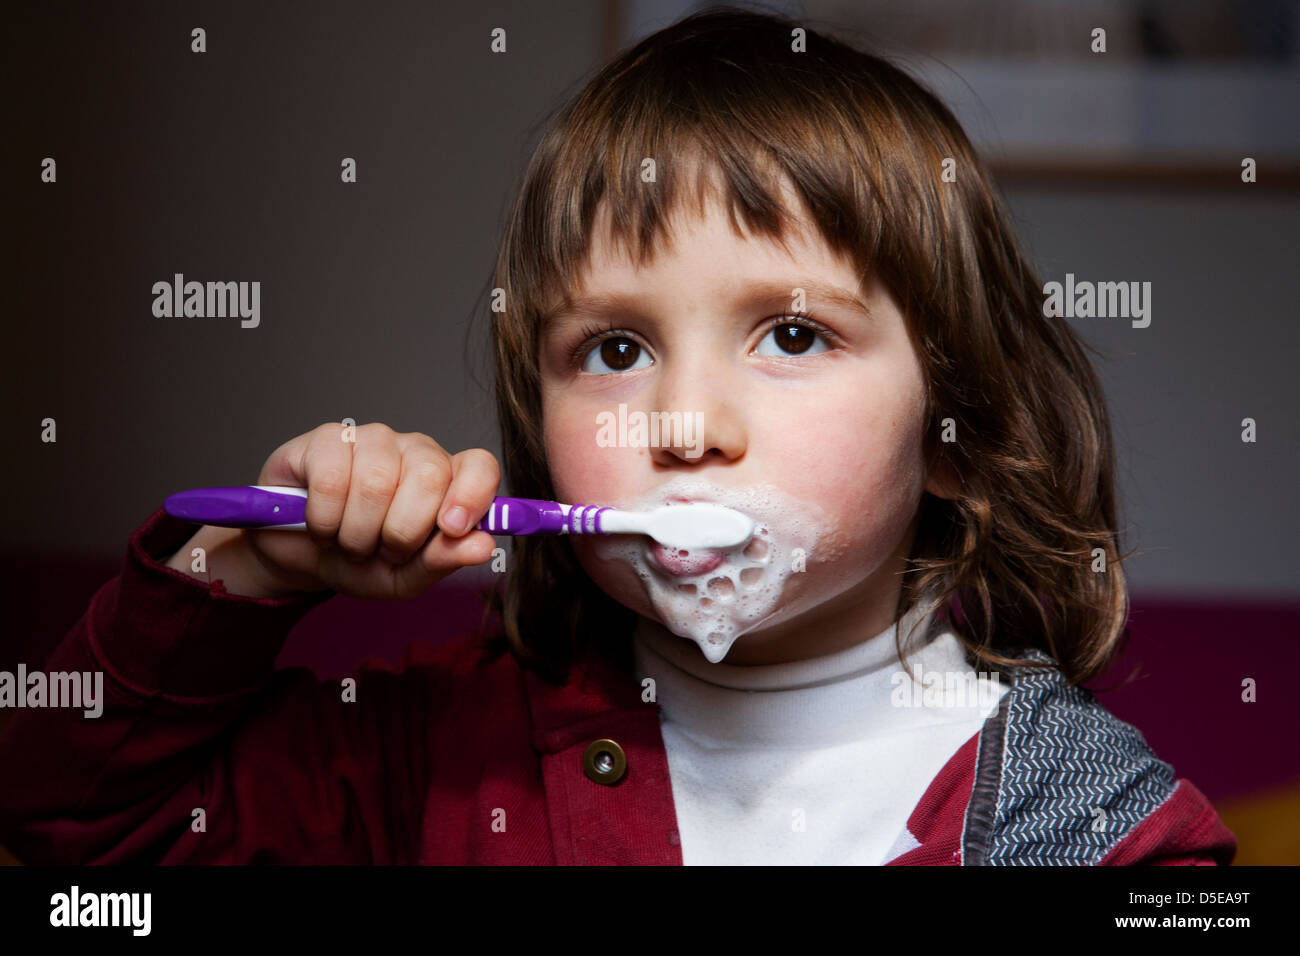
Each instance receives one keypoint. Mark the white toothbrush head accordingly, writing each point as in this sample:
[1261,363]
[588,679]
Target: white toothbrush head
[693,526]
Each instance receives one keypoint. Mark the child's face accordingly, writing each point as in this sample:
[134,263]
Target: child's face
[819,439]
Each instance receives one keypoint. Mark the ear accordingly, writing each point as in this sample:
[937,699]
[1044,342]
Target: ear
[942,481]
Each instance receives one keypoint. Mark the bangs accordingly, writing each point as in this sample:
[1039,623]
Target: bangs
[676,129]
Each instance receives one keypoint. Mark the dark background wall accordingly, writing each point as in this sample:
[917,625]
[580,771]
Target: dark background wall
[226,166]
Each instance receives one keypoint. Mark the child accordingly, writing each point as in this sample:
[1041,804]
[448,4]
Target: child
[757,240]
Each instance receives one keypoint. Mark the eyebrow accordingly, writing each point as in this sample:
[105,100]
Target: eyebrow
[765,293]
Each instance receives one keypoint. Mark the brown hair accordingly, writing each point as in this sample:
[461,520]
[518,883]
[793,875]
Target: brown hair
[722,95]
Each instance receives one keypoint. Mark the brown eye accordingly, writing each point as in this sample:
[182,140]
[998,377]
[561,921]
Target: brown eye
[618,355]
[786,339]
[794,339]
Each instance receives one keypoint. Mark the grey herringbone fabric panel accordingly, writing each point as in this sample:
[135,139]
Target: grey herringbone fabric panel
[1064,759]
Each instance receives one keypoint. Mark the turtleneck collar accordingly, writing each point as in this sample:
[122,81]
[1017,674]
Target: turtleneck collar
[817,702]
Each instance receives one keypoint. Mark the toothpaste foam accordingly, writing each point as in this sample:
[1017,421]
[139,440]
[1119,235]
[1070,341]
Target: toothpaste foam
[716,607]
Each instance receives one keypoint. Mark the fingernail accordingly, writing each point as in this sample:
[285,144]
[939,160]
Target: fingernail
[455,520]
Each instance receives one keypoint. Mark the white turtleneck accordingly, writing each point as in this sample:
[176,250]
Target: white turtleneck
[809,762]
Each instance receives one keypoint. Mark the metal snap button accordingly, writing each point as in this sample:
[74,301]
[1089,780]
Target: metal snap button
[604,761]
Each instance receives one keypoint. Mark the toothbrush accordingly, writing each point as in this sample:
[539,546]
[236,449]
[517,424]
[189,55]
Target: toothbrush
[272,507]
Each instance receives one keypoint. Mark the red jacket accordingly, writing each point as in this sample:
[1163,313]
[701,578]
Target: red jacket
[460,758]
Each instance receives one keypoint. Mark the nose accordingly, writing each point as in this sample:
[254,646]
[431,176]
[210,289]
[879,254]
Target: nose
[700,415]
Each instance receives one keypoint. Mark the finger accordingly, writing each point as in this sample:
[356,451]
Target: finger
[378,579]
[320,462]
[376,466]
[291,550]
[444,554]
[371,578]
[284,465]
[426,473]
[290,556]
[475,478]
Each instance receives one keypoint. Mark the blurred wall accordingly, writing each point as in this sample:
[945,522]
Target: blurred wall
[1209,513]
[225,166]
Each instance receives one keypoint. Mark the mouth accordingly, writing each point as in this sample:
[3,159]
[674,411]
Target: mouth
[683,500]
[680,563]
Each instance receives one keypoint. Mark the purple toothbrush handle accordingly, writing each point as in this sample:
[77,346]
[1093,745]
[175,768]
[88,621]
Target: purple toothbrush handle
[264,506]
[240,506]
[516,516]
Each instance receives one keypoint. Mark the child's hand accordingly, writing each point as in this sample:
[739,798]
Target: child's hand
[372,506]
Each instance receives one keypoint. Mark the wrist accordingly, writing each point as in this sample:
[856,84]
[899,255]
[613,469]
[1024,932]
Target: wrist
[228,557]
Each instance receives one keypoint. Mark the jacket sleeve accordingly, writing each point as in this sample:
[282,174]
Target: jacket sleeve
[203,752]
[1185,830]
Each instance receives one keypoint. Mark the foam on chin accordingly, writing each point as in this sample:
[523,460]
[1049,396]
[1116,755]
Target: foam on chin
[716,607]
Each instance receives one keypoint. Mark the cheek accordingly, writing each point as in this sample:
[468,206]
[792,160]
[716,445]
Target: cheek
[857,457]
[582,471]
